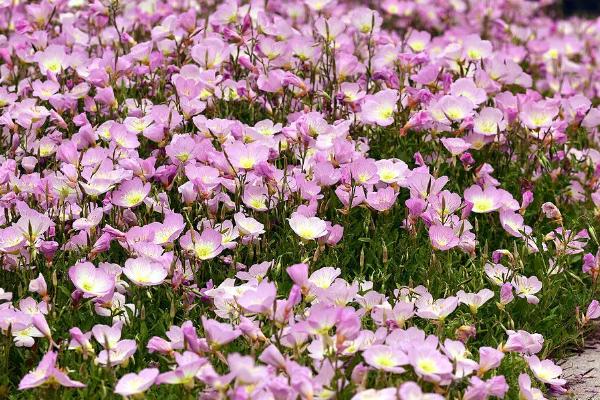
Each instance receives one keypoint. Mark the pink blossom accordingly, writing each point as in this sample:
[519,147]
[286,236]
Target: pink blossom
[92,281]
[46,371]
[133,384]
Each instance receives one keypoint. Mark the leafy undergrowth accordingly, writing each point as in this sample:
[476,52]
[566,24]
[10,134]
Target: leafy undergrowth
[308,199]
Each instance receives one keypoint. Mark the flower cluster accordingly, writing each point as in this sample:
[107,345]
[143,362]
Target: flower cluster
[296,199]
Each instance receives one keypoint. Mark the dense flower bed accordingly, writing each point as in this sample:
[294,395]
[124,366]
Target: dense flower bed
[296,199]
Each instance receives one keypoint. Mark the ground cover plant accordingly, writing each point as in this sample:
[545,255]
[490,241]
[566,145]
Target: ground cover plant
[309,199]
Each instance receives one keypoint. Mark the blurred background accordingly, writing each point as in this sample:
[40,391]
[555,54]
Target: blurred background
[581,7]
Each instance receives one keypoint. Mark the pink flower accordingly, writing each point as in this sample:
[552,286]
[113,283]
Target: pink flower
[443,237]
[523,342]
[308,228]
[132,383]
[383,199]
[131,193]
[418,41]
[210,52]
[80,341]
[489,122]
[169,230]
[259,300]
[203,246]
[39,286]
[513,223]
[412,391]
[385,358]
[475,300]
[526,391]
[484,200]
[92,281]
[379,108]
[489,358]
[475,48]
[526,288]
[32,224]
[438,309]
[144,271]
[455,108]
[506,293]
[363,171]
[218,333]
[482,390]
[593,311]
[248,226]
[299,274]
[118,354]
[551,211]
[455,146]
[246,156]
[53,59]
[429,364]
[538,115]
[466,87]
[47,371]
[456,351]
[545,371]
[184,374]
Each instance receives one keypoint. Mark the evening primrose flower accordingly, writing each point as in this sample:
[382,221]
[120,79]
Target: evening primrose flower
[489,122]
[489,358]
[47,372]
[443,237]
[514,223]
[592,312]
[131,193]
[204,246]
[456,351]
[466,87]
[183,374]
[80,341]
[545,370]
[429,364]
[308,228]
[133,384]
[475,300]
[528,392]
[497,273]
[412,391]
[527,287]
[438,309]
[53,59]
[479,389]
[248,226]
[392,171]
[475,49]
[455,108]
[418,40]
[455,146]
[256,198]
[32,224]
[210,52]
[379,108]
[119,354]
[385,358]
[144,271]
[11,239]
[523,342]
[246,156]
[539,115]
[92,281]
[218,333]
[484,200]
